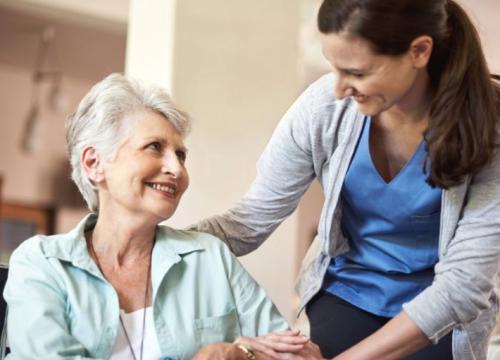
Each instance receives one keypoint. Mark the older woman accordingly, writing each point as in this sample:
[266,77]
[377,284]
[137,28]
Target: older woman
[119,285]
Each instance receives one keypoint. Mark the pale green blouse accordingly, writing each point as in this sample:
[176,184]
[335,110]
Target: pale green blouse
[61,307]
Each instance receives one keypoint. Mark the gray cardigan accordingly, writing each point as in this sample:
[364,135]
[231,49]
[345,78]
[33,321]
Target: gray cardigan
[316,139]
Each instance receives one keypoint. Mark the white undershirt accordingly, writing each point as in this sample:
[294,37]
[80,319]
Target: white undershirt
[133,324]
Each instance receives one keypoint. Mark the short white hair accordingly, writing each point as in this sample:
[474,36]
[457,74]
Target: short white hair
[97,123]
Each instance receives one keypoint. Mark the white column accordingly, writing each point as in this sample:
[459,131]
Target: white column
[150,41]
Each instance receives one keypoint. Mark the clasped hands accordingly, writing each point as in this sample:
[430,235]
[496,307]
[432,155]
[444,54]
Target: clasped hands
[283,345]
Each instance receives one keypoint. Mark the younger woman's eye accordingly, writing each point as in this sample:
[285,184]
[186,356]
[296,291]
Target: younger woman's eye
[357,75]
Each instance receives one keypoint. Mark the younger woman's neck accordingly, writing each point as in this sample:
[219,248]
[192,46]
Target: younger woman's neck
[414,110]
[397,117]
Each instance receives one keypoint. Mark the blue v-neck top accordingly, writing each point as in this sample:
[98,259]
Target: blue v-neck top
[393,232]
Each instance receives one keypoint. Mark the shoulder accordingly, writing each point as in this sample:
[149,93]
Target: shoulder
[199,251]
[319,114]
[38,246]
[188,240]
[491,171]
[32,265]
[479,196]
[65,246]
[314,116]
[320,94]
[323,87]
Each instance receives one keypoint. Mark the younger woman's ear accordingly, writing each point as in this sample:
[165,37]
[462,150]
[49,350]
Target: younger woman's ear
[421,50]
[92,165]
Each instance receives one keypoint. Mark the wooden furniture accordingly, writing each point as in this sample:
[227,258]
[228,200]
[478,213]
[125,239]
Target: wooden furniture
[19,221]
[41,217]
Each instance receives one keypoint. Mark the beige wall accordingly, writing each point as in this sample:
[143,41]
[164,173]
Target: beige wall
[485,14]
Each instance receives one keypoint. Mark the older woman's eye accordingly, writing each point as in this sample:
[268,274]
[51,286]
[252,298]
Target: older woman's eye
[156,146]
[181,155]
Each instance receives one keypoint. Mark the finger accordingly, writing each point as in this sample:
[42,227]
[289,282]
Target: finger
[258,345]
[300,339]
[280,348]
[283,346]
[314,345]
[285,343]
[290,332]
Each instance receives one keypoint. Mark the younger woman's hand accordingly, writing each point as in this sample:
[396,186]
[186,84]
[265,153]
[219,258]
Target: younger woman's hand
[285,341]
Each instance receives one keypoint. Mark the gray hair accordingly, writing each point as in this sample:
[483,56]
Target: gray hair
[97,123]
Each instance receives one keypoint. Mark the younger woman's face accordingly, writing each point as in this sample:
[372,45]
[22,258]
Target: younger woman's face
[376,82]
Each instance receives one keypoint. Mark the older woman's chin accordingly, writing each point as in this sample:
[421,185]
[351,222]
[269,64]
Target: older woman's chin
[166,214]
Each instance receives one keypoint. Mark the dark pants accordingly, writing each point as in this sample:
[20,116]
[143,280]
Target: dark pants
[336,325]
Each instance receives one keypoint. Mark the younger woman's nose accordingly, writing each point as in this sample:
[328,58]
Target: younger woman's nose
[342,89]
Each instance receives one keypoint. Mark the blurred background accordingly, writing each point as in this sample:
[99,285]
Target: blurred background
[235,66]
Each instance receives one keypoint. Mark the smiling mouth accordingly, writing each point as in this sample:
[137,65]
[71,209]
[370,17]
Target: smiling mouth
[169,189]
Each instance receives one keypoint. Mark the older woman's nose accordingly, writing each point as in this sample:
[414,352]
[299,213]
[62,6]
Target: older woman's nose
[172,165]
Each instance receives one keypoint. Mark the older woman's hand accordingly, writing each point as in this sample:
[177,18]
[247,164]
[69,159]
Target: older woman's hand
[214,351]
[289,344]
[227,351]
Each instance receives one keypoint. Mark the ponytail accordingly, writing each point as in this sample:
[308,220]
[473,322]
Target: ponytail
[462,134]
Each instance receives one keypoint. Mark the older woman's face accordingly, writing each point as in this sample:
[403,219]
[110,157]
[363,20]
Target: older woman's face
[148,175]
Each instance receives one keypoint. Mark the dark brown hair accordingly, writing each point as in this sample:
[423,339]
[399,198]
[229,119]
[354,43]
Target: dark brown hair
[464,112]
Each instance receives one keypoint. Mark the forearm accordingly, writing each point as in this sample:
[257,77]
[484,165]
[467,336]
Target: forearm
[235,230]
[399,338]
[248,224]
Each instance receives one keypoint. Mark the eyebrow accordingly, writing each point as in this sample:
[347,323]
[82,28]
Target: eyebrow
[351,70]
